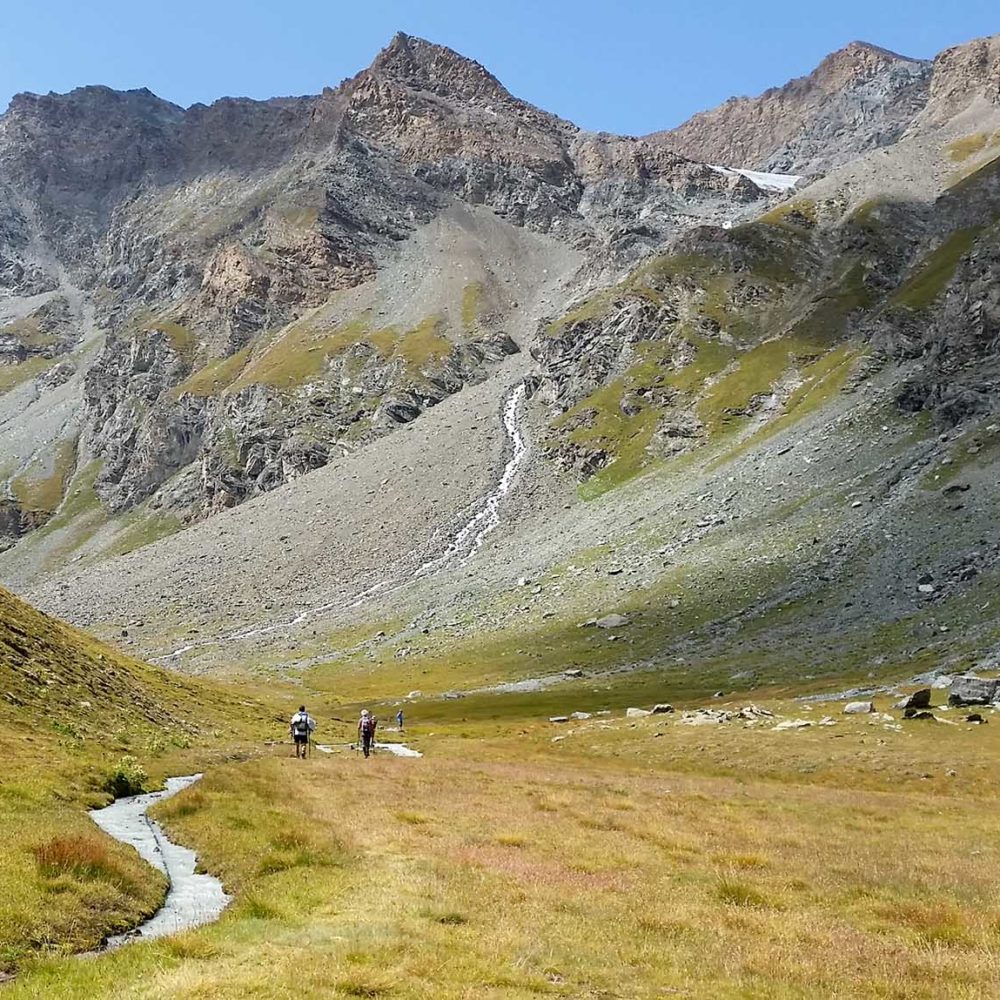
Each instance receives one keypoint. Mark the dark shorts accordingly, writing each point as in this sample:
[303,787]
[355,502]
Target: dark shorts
[300,739]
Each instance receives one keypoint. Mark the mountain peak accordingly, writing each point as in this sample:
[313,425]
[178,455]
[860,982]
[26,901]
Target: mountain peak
[424,65]
[855,61]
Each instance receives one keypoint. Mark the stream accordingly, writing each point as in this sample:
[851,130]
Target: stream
[464,544]
[192,899]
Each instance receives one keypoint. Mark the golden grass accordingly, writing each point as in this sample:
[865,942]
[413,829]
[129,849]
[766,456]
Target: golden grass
[796,864]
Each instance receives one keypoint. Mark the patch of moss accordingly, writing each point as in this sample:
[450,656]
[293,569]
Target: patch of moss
[864,215]
[41,496]
[215,377]
[28,332]
[472,305]
[180,338]
[821,380]
[935,270]
[594,307]
[11,376]
[424,344]
[144,528]
[962,149]
[799,215]
[298,353]
[965,180]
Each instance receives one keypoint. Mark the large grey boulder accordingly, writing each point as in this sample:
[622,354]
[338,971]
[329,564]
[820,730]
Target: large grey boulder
[611,621]
[859,708]
[972,691]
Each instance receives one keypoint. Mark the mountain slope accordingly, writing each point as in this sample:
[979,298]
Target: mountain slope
[848,326]
[250,265]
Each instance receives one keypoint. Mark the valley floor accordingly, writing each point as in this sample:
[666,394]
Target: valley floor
[610,857]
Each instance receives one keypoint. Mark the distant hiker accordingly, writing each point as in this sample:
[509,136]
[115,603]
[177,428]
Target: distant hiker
[399,719]
[366,731]
[302,726]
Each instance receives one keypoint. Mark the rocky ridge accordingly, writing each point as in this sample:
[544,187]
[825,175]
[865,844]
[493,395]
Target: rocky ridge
[860,98]
[223,246]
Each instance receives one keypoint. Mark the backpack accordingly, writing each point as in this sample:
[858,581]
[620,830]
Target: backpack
[368,726]
[300,725]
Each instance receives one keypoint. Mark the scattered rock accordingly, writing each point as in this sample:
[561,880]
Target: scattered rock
[942,682]
[976,719]
[967,690]
[793,724]
[637,713]
[573,672]
[662,709]
[914,713]
[559,718]
[612,621]
[919,699]
[578,716]
[859,708]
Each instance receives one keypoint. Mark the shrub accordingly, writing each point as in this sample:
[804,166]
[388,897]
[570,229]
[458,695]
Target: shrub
[82,858]
[740,894]
[128,778]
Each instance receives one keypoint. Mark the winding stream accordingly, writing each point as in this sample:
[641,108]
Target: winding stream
[192,899]
[465,543]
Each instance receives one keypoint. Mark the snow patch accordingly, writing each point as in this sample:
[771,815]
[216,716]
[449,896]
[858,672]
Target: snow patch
[769,182]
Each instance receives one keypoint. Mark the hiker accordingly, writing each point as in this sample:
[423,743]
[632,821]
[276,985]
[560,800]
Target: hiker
[302,726]
[366,731]
[399,719]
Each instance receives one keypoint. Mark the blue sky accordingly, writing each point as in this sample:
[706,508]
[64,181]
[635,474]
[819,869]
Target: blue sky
[623,67]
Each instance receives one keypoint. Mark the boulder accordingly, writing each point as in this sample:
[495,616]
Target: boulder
[942,682]
[859,708]
[972,691]
[794,724]
[662,709]
[559,718]
[914,713]
[976,719]
[579,716]
[612,621]
[573,672]
[637,713]
[919,699]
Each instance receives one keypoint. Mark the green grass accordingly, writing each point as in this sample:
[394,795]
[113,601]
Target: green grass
[182,340]
[933,273]
[41,496]
[142,528]
[216,376]
[298,354]
[962,149]
[11,376]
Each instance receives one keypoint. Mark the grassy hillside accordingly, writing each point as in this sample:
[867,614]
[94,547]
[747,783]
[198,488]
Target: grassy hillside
[73,714]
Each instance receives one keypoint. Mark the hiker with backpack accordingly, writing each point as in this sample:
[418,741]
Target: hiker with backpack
[367,725]
[301,727]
